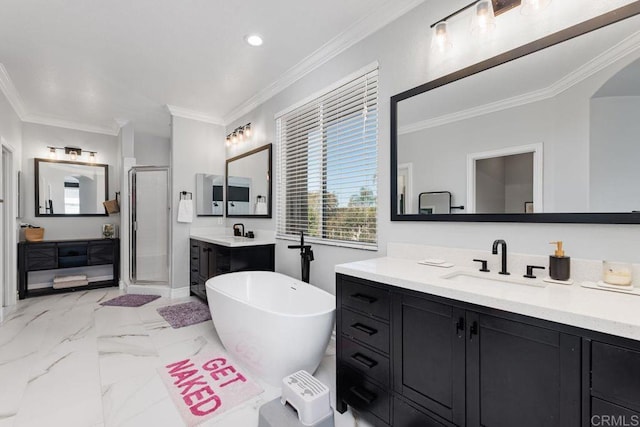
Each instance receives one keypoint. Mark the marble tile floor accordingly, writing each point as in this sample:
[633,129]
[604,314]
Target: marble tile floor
[65,360]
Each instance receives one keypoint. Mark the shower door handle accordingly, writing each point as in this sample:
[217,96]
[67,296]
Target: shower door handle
[135,226]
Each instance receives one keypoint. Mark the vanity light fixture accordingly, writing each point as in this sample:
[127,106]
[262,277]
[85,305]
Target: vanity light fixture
[239,134]
[72,152]
[483,19]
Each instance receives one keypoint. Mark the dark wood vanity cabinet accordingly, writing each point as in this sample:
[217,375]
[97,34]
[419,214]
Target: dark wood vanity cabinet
[62,254]
[410,359]
[208,260]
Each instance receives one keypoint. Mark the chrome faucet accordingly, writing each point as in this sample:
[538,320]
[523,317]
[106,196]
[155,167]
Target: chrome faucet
[494,251]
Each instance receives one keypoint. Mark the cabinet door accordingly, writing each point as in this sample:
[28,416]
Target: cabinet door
[429,355]
[521,375]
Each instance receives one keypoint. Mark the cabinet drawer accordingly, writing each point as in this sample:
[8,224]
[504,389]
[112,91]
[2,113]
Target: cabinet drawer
[623,416]
[100,254]
[369,299]
[41,257]
[363,395]
[615,374]
[365,361]
[366,330]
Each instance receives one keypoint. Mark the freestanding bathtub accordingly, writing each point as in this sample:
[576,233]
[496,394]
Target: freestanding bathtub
[274,324]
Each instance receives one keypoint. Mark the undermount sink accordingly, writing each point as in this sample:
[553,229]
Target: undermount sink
[486,279]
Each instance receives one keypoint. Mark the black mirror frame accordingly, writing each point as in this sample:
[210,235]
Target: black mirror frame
[592,24]
[270,179]
[37,186]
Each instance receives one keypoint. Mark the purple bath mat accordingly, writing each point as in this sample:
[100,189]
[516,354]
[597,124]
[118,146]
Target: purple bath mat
[189,313]
[130,300]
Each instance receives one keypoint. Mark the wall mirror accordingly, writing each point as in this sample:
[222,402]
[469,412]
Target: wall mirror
[66,188]
[248,178]
[209,195]
[547,132]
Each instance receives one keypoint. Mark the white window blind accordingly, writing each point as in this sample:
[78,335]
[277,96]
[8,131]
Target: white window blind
[327,166]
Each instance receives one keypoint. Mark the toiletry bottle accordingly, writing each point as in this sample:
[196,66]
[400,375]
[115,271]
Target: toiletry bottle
[559,265]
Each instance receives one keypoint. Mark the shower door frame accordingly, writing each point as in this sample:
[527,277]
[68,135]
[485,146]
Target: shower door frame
[133,224]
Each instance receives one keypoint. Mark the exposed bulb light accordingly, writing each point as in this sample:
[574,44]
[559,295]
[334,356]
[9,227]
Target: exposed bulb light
[52,152]
[92,157]
[484,20]
[73,155]
[441,37]
[228,140]
[254,40]
[240,133]
[531,7]
[234,138]
[247,130]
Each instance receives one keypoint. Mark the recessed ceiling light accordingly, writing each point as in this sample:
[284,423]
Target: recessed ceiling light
[254,40]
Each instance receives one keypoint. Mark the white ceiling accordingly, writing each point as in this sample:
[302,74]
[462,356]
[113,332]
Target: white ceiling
[86,63]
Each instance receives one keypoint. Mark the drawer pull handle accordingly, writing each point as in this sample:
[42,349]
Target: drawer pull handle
[365,395]
[364,360]
[363,298]
[364,328]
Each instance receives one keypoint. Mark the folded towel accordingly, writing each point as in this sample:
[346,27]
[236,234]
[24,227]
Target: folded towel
[261,209]
[71,284]
[185,211]
[75,278]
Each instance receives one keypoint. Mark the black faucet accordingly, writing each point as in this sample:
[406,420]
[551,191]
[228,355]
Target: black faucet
[306,256]
[494,251]
[236,230]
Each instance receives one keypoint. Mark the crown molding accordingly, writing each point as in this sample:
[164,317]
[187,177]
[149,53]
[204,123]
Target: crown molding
[11,93]
[70,124]
[358,31]
[194,115]
[608,57]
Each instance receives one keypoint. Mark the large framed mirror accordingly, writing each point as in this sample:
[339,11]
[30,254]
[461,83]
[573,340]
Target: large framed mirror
[209,195]
[248,178]
[546,132]
[67,188]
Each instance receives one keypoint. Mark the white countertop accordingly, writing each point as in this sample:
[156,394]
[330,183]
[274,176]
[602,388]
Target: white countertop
[232,241]
[608,312]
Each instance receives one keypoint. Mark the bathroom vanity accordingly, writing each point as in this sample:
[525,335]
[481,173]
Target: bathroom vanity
[64,254]
[415,349]
[213,255]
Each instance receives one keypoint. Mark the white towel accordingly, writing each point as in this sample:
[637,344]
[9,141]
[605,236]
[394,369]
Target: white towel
[70,284]
[61,279]
[261,209]
[185,211]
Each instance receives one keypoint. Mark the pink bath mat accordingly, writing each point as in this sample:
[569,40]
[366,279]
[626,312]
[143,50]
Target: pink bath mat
[204,386]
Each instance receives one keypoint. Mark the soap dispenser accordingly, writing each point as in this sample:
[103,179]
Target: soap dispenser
[559,264]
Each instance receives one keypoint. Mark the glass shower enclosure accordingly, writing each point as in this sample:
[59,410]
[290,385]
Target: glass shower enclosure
[149,225]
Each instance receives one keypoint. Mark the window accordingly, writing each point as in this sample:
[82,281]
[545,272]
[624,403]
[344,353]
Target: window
[327,165]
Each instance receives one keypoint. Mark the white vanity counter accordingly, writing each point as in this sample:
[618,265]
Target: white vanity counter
[231,241]
[608,312]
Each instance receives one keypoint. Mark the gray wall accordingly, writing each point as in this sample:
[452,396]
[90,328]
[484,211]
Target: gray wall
[196,147]
[401,49]
[615,175]
[35,140]
[151,150]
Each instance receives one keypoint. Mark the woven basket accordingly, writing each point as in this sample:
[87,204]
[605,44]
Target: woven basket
[111,206]
[34,234]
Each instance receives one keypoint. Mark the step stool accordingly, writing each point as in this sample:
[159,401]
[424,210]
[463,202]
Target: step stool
[308,396]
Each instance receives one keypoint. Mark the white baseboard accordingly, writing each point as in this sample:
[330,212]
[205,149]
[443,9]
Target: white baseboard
[180,292]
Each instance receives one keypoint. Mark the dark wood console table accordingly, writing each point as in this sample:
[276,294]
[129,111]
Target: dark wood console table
[61,254]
